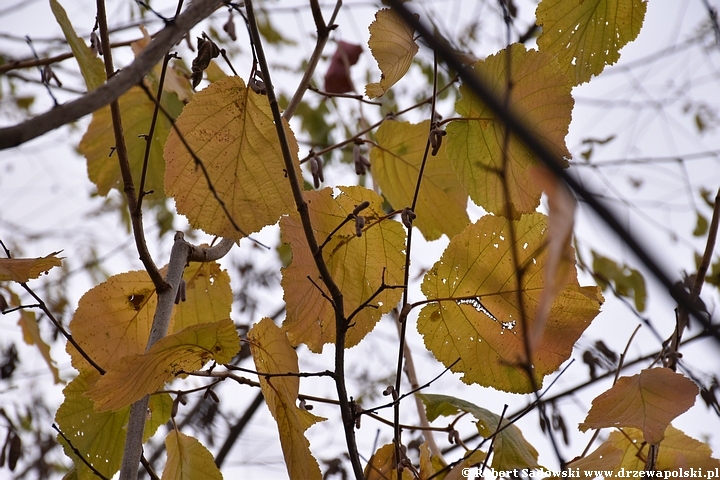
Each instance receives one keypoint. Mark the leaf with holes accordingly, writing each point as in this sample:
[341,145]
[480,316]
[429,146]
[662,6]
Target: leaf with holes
[101,436]
[359,265]
[188,459]
[392,43]
[113,319]
[585,36]
[21,270]
[649,401]
[185,351]
[540,97]
[626,450]
[273,353]
[511,450]
[479,302]
[231,130]
[442,200]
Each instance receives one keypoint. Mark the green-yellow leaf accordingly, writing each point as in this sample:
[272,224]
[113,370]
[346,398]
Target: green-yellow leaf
[701,227]
[358,266]
[185,351]
[273,353]
[113,319]
[648,401]
[231,129]
[382,465]
[21,270]
[101,436]
[585,36]
[442,201]
[478,318]
[540,97]
[98,144]
[91,66]
[188,459]
[31,335]
[628,282]
[392,43]
[511,450]
[626,450]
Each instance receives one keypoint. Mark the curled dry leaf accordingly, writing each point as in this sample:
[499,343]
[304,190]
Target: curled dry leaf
[337,77]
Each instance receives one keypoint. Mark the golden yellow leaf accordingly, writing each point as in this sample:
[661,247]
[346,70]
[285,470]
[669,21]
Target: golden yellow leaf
[649,401]
[31,335]
[677,451]
[231,130]
[185,351]
[188,459]
[101,436]
[393,45]
[357,264]
[21,270]
[91,66]
[442,200]
[541,98]
[511,450]
[477,317]
[585,36]
[98,143]
[273,353]
[382,465]
[113,319]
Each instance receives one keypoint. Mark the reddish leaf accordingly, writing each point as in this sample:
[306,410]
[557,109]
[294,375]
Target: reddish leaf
[337,77]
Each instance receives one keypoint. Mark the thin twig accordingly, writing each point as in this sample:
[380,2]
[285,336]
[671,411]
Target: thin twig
[78,453]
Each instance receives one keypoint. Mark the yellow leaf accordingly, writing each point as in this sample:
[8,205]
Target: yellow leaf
[393,45]
[100,436]
[98,144]
[649,401]
[31,335]
[21,270]
[585,36]
[382,465]
[357,264]
[188,459]
[511,450]
[478,318]
[231,130]
[273,353]
[91,66]
[540,96]
[442,201]
[186,351]
[113,319]
[561,257]
[677,451]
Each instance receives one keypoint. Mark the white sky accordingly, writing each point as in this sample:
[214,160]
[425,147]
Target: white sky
[44,205]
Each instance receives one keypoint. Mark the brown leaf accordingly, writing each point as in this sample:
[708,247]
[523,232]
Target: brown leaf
[337,77]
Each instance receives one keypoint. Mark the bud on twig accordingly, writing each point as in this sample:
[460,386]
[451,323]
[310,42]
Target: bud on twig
[361,163]
[229,27]
[95,43]
[316,168]
[407,216]
[436,135]
[359,225]
[360,207]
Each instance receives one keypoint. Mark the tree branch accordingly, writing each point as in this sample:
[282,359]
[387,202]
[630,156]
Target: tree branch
[173,32]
